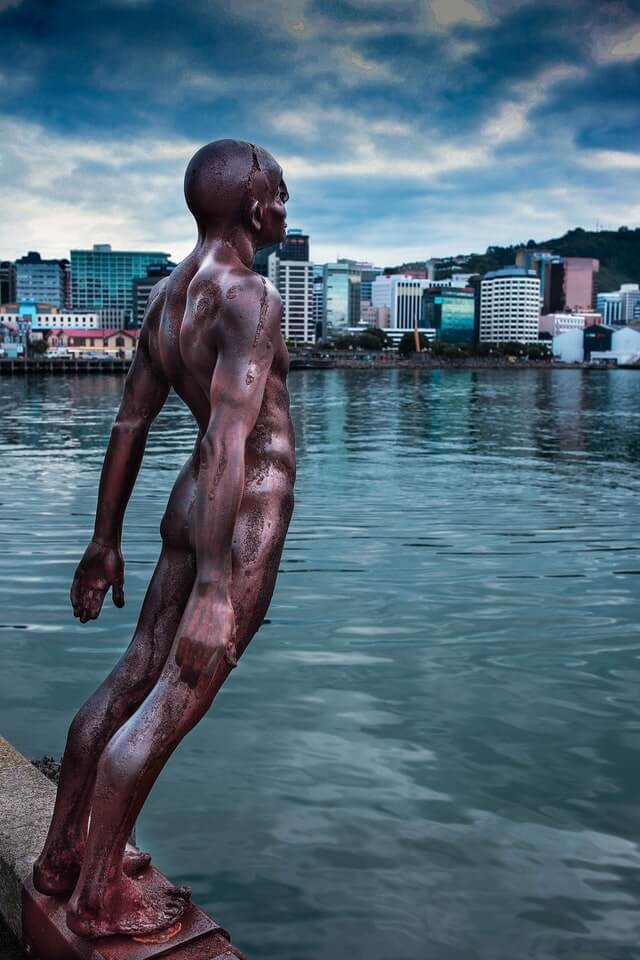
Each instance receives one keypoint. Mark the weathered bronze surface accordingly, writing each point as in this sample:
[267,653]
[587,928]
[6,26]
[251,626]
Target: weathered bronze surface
[212,333]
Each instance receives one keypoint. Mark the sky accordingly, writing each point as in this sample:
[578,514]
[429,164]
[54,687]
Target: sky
[406,128]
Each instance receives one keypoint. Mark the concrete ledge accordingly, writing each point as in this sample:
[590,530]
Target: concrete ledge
[26,806]
[27,799]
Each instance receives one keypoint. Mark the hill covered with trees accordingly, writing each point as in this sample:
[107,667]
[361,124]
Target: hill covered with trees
[617,250]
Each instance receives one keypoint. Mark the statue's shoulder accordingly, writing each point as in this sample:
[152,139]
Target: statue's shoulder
[239,292]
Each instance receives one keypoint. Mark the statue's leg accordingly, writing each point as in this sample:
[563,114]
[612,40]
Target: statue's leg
[105,901]
[56,870]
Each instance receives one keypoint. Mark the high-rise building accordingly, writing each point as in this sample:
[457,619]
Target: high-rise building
[451,313]
[341,307]
[142,287]
[579,282]
[620,306]
[401,296]
[261,259]
[318,301]
[549,267]
[293,280]
[40,281]
[295,246]
[510,306]
[566,283]
[7,282]
[102,279]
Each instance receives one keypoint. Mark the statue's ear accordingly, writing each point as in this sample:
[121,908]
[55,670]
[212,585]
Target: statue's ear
[256,215]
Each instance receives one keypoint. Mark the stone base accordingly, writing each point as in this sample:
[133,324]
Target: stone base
[38,922]
[47,937]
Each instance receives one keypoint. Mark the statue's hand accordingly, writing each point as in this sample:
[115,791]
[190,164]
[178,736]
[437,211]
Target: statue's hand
[207,635]
[101,567]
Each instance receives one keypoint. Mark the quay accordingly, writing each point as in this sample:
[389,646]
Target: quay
[78,365]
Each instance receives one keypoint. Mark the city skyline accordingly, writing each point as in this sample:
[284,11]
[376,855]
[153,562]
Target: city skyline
[405,129]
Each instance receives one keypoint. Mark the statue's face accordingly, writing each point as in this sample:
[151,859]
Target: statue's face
[274,223]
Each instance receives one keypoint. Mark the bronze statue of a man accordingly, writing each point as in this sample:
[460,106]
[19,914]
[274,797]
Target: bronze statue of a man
[212,332]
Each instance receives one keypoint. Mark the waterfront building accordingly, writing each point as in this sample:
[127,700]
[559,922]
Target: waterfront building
[554,323]
[45,316]
[597,339]
[102,279]
[451,313]
[7,282]
[624,349]
[40,281]
[620,306]
[142,287]
[510,306]
[293,280]
[119,344]
[568,346]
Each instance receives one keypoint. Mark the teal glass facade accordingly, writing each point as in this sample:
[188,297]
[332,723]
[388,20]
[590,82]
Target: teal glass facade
[102,279]
[451,313]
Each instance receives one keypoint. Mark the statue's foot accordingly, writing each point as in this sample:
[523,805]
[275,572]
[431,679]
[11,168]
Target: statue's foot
[54,879]
[58,879]
[135,861]
[127,909]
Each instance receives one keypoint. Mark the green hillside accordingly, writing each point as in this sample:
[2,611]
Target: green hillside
[617,250]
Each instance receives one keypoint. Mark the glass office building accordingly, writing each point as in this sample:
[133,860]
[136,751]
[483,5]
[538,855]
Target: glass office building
[102,279]
[451,313]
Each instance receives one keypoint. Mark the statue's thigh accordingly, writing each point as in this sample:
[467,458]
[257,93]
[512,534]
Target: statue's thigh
[257,548]
[166,597]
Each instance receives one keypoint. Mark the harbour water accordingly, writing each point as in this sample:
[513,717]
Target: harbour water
[431,748]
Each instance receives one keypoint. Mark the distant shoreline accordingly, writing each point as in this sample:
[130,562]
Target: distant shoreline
[46,366]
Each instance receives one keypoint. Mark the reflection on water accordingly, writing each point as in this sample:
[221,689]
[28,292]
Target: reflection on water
[431,748]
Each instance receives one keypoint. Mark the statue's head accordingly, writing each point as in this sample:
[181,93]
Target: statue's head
[231,183]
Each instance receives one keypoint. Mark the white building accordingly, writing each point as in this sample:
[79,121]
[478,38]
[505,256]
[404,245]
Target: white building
[293,280]
[568,347]
[44,316]
[510,306]
[399,298]
[555,323]
[620,306]
[625,347]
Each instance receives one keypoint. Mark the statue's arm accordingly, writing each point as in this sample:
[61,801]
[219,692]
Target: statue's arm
[248,328]
[102,566]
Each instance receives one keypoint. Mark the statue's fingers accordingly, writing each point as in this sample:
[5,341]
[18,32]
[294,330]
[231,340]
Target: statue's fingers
[75,592]
[186,673]
[181,650]
[117,593]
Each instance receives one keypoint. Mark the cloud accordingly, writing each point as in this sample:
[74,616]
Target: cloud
[447,13]
[402,125]
[605,160]
[614,48]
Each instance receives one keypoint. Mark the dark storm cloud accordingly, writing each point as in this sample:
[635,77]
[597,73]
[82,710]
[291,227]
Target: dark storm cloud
[406,126]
